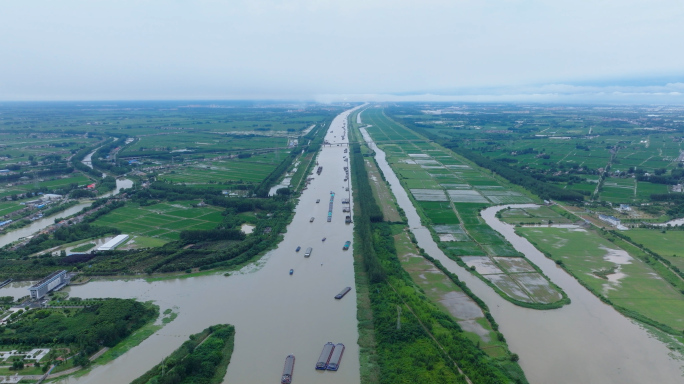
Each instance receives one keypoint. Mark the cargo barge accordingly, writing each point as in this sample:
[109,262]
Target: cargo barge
[346,245]
[324,358]
[288,370]
[336,357]
[342,293]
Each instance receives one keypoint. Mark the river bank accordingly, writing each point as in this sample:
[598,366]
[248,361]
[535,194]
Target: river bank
[586,341]
[275,314]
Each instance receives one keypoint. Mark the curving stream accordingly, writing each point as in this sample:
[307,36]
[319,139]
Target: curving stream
[584,342]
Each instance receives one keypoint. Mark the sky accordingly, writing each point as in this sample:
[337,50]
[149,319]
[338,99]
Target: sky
[469,50]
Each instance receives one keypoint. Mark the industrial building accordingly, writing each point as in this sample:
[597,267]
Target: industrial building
[113,243]
[54,281]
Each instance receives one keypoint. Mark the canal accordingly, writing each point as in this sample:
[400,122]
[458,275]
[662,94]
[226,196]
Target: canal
[275,314]
[584,342]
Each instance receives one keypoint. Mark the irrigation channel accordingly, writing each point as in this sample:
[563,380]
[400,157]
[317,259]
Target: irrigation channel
[275,314]
[584,342]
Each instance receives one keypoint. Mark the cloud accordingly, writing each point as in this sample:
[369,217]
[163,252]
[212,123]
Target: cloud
[177,49]
[671,93]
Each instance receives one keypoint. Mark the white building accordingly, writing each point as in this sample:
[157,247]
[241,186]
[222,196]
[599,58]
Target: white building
[51,196]
[113,243]
[54,281]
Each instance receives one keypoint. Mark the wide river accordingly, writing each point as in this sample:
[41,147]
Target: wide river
[584,342]
[274,314]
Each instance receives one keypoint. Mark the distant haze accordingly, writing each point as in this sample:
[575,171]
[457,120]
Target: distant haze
[486,50]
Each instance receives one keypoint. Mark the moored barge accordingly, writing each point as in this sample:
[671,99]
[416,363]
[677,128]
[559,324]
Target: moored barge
[288,370]
[342,293]
[324,358]
[336,357]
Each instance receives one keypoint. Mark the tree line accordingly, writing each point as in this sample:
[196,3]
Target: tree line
[203,359]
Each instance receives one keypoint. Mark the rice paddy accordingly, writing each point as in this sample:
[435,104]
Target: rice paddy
[612,272]
[163,221]
[449,192]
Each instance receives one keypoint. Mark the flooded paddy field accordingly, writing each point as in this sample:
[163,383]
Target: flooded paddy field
[611,271]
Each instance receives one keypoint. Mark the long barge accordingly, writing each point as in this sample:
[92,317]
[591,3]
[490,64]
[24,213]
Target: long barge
[336,357]
[324,358]
[288,370]
[6,282]
[342,293]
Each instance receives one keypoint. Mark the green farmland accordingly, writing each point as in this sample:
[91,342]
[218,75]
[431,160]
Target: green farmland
[164,220]
[610,271]
[669,244]
[251,170]
[449,192]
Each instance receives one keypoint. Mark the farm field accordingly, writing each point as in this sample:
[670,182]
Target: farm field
[251,170]
[163,220]
[515,277]
[448,296]
[142,117]
[449,193]
[58,182]
[612,272]
[567,146]
[201,142]
[669,245]
[538,215]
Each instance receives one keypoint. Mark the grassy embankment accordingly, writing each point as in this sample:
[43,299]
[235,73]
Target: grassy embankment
[204,358]
[414,340]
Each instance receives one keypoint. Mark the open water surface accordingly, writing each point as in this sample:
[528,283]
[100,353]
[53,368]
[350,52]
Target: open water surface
[274,314]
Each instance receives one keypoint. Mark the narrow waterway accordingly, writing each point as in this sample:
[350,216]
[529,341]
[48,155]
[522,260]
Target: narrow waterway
[88,159]
[275,314]
[584,342]
[45,222]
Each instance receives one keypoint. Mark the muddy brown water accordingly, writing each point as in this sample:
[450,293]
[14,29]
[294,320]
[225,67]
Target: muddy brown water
[43,223]
[584,342]
[274,314]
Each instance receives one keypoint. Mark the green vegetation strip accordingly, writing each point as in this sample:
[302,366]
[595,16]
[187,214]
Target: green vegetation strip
[203,359]
[421,343]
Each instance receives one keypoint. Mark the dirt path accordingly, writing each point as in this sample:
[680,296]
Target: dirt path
[75,369]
